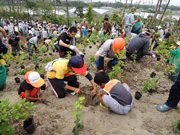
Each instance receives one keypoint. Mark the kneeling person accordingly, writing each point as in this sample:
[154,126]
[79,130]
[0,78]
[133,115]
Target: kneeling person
[65,70]
[30,87]
[114,95]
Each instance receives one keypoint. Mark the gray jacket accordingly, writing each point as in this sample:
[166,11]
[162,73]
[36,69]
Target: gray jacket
[106,50]
[138,42]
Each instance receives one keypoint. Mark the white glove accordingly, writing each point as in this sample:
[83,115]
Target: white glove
[4,40]
[81,53]
[153,56]
[72,47]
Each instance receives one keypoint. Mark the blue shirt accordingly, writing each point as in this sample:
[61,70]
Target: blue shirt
[129,19]
[84,32]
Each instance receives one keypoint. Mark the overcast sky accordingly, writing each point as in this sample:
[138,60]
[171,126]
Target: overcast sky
[172,2]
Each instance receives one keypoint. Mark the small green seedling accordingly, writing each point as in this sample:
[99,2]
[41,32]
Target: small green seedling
[132,62]
[89,64]
[78,117]
[177,124]
[69,54]
[9,112]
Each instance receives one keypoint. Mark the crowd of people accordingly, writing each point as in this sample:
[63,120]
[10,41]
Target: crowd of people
[115,95]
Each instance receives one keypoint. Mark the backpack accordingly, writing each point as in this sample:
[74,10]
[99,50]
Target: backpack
[49,67]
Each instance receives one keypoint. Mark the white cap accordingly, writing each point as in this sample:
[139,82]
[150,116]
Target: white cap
[83,27]
[159,27]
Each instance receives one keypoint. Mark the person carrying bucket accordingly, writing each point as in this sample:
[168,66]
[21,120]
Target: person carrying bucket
[30,87]
[115,96]
[109,49]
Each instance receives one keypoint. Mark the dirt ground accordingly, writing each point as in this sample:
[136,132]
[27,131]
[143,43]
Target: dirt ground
[56,118]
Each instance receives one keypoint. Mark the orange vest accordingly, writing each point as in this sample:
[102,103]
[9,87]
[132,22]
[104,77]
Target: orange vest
[110,85]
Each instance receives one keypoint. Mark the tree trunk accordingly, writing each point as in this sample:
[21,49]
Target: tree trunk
[131,4]
[164,11]
[9,5]
[156,13]
[13,5]
[55,7]
[67,12]
[124,8]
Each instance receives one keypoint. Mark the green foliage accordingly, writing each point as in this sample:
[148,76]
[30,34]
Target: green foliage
[79,11]
[9,112]
[177,124]
[41,70]
[117,69]
[35,56]
[150,84]
[22,57]
[78,116]
[90,14]
[132,62]
[69,54]
[46,60]
[89,64]
[23,72]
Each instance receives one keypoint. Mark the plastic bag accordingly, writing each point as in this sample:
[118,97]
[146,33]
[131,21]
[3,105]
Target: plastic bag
[2,77]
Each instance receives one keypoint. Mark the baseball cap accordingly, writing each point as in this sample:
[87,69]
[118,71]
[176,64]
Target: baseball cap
[159,27]
[83,27]
[77,64]
[34,79]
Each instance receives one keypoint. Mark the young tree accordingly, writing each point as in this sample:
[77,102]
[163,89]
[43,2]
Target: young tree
[79,11]
[67,12]
[90,14]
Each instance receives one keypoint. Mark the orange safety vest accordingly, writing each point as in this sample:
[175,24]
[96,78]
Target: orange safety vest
[110,85]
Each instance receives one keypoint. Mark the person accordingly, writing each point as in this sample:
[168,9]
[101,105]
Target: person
[114,32]
[44,34]
[137,26]
[161,32]
[30,87]
[173,99]
[48,42]
[65,70]
[109,49]
[84,23]
[28,43]
[167,36]
[107,27]
[66,42]
[139,46]
[15,44]
[129,21]
[115,95]
[3,48]
[34,41]
[84,32]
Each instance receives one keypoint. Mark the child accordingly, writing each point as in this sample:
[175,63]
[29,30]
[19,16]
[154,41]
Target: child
[30,87]
[115,95]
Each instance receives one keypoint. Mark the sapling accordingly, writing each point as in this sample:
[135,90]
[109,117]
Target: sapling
[177,124]
[9,112]
[117,69]
[69,54]
[91,60]
[78,116]
[132,62]
[35,56]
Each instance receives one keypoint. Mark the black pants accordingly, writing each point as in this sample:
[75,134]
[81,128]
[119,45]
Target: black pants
[174,94]
[139,54]
[60,91]
[63,52]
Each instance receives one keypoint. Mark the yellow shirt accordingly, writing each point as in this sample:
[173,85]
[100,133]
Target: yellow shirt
[61,70]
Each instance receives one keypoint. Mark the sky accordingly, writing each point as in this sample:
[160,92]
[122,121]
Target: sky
[172,2]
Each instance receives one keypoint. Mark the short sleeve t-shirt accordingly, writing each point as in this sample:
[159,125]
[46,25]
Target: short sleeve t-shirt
[167,35]
[14,42]
[61,70]
[25,86]
[65,38]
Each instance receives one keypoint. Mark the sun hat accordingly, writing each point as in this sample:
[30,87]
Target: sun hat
[34,79]
[77,64]
[118,45]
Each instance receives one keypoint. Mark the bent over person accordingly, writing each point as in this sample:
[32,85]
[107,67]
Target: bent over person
[65,70]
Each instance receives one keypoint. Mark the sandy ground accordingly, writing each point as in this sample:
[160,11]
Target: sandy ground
[56,118]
